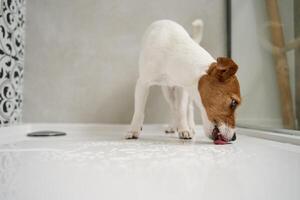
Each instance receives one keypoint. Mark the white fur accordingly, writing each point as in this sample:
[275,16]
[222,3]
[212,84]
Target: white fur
[172,59]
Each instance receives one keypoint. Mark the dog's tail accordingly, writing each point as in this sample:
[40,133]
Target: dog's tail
[197,33]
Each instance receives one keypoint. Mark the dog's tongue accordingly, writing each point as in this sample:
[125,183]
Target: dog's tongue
[218,139]
[220,142]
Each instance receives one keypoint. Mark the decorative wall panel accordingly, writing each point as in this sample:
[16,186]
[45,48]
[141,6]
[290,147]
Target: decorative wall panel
[12,36]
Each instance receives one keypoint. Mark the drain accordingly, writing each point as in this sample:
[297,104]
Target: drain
[45,133]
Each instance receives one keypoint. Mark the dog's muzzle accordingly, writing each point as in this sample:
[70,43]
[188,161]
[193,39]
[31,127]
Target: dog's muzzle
[217,135]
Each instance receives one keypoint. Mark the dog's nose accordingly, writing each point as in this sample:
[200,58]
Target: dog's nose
[233,137]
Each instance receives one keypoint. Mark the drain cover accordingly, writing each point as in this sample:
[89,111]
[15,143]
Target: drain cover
[45,133]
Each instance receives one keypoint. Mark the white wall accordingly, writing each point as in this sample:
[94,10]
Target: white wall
[250,34]
[81,56]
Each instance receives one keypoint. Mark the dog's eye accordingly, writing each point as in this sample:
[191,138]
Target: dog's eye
[233,104]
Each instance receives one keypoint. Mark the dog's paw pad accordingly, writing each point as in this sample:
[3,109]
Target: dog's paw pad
[187,135]
[169,130]
[132,135]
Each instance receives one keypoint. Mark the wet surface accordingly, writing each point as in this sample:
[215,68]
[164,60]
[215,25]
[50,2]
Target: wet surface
[102,165]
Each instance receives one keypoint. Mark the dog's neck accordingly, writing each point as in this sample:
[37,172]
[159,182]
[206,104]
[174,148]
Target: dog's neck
[194,92]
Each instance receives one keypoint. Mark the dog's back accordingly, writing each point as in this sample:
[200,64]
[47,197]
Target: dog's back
[169,55]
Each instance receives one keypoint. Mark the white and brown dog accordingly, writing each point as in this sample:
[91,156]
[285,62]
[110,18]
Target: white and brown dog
[188,75]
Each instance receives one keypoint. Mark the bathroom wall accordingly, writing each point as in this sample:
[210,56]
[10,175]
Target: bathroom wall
[12,25]
[81,56]
[251,49]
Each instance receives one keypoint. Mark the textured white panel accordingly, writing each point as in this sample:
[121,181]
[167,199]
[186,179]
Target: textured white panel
[12,33]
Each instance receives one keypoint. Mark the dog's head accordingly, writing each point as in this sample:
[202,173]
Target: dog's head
[220,95]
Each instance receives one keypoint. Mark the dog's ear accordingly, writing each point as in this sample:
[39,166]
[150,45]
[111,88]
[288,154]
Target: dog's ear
[223,69]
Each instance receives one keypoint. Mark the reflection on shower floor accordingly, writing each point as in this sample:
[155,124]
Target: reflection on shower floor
[102,165]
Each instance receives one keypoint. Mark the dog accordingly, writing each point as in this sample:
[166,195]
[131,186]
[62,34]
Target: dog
[188,76]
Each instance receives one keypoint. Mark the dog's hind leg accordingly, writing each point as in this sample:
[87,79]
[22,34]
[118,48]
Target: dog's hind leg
[169,94]
[140,99]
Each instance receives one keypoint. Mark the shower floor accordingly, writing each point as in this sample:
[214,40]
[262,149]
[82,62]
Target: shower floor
[97,163]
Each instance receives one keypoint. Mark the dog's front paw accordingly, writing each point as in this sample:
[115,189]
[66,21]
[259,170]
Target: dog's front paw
[185,134]
[170,130]
[132,135]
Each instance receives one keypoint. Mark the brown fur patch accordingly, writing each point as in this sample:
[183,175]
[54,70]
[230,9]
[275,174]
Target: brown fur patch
[217,90]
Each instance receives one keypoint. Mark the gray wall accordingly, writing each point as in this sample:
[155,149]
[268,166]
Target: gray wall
[81,56]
